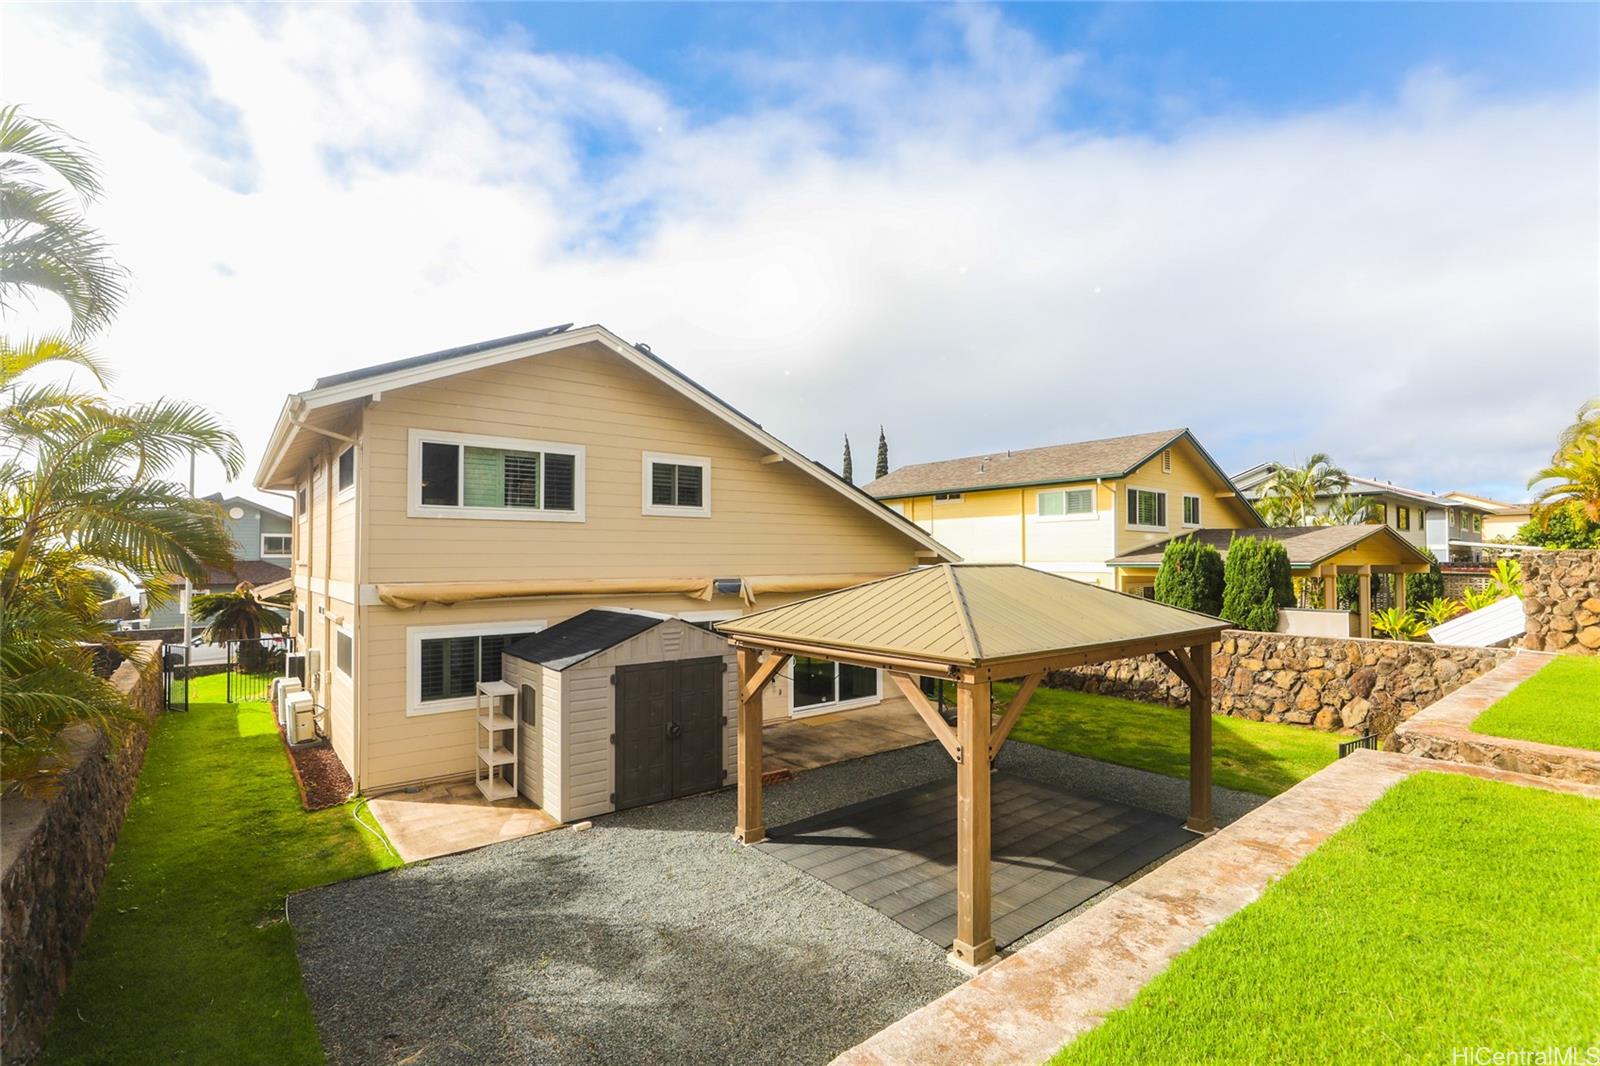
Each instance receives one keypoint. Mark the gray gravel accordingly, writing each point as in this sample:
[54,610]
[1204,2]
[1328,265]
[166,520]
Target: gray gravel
[651,938]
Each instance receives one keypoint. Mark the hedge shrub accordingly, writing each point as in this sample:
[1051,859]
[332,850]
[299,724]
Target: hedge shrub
[1256,582]
[1428,585]
[1190,576]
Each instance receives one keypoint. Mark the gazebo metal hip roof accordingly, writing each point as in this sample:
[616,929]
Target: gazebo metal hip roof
[974,623]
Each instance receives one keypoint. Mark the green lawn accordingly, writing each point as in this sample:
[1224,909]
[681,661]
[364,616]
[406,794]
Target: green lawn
[188,958]
[1261,757]
[1455,912]
[1558,705]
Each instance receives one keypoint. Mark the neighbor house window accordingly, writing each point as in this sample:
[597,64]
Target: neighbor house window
[1191,510]
[1378,514]
[347,469]
[459,476]
[677,485]
[447,662]
[276,543]
[1066,503]
[943,496]
[824,683]
[1477,523]
[344,652]
[1402,518]
[1146,508]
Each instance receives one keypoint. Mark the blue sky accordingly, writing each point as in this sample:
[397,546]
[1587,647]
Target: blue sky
[1371,230]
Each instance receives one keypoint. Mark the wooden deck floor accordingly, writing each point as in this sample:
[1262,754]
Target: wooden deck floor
[1052,850]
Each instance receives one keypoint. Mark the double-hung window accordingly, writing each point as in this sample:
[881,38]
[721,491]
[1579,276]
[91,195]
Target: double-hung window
[1191,510]
[1066,503]
[275,544]
[455,475]
[1402,518]
[677,485]
[822,684]
[1147,509]
[445,663]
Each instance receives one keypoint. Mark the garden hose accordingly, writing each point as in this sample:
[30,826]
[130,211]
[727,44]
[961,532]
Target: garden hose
[355,813]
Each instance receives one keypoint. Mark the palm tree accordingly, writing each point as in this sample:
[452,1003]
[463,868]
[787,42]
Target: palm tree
[46,244]
[236,615]
[1346,509]
[1289,497]
[1573,476]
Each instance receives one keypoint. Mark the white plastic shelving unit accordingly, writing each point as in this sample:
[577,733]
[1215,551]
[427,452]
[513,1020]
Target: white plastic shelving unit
[496,770]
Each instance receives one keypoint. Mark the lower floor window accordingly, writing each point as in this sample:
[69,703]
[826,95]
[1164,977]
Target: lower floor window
[453,666]
[818,682]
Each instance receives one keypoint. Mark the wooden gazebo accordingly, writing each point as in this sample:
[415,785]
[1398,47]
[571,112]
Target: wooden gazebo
[972,624]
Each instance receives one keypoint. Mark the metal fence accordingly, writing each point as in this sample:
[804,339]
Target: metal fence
[1370,742]
[175,676]
[252,664]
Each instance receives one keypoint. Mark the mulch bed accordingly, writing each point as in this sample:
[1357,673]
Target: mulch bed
[318,773]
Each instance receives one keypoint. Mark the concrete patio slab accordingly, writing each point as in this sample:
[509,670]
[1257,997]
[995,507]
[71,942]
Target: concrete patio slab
[452,817]
[1443,731]
[824,739]
[1029,1005]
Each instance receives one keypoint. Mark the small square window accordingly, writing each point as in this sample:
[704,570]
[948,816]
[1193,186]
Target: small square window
[1191,510]
[947,496]
[677,485]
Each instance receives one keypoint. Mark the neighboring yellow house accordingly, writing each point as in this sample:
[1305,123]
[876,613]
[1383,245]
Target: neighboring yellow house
[450,504]
[1499,520]
[1071,509]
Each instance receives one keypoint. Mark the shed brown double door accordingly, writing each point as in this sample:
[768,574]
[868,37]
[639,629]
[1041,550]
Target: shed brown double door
[669,730]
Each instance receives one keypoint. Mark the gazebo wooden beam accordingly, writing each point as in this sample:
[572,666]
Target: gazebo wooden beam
[753,677]
[1018,704]
[937,725]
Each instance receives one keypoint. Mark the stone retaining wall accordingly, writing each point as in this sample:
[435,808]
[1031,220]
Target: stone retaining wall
[1327,683]
[53,855]
[1561,598]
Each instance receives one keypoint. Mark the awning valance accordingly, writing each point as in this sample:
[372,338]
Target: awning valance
[403,595]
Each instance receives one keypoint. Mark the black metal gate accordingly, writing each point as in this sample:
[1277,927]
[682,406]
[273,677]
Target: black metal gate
[175,675]
[252,664]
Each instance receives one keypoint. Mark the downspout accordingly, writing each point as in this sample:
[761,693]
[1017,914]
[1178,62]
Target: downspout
[358,581]
[1022,524]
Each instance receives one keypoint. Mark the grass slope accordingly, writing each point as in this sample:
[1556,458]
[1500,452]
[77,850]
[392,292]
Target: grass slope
[1558,705]
[1260,757]
[1455,912]
[188,958]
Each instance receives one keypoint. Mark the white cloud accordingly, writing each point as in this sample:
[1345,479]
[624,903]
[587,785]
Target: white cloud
[1409,285]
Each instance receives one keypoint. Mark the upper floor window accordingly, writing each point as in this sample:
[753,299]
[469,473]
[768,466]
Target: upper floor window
[347,469]
[1147,509]
[300,503]
[1378,513]
[1066,503]
[1477,523]
[276,544]
[455,475]
[947,496]
[677,485]
[1191,510]
[1402,518]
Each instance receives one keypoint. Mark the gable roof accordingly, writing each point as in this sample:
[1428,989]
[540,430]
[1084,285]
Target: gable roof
[970,613]
[581,637]
[1079,461]
[225,501]
[341,391]
[1257,476]
[1305,545]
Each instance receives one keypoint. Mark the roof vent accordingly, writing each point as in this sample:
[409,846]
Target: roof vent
[643,347]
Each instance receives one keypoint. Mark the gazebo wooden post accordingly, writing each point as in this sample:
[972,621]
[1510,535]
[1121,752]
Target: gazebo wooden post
[1364,599]
[1200,819]
[974,940]
[1400,592]
[753,677]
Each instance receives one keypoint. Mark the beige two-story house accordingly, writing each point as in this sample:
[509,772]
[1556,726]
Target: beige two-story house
[449,505]
[1071,509]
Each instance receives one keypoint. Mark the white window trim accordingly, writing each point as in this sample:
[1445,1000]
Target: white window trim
[1199,512]
[415,635]
[1150,529]
[664,510]
[1091,515]
[348,631]
[829,708]
[355,477]
[276,555]
[415,508]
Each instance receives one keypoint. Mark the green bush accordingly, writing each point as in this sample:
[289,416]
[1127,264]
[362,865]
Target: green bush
[1190,576]
[1427,586]
[1561,527]
[1256,582]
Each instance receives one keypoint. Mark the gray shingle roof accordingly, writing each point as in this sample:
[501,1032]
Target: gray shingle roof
[1080,461]
[437,357]
[581,636]
[1306,545]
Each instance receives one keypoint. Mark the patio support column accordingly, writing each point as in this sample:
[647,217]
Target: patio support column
[1364,590]
[753,677]
[1330,589]
[1400,592]
[1200,819]
[974,941]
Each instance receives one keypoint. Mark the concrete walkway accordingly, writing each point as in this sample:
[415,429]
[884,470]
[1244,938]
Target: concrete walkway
[1060,986]
[453,817]
[1444,730]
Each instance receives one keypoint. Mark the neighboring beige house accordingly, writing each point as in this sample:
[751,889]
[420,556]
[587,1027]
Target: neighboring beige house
[1451,529]
[1500,520]
[449,504]
[1071,509]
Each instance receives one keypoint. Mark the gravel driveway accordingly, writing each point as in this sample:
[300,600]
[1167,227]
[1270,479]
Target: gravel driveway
[650,938]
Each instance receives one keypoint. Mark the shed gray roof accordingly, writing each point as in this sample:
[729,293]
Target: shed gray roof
[580,637]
